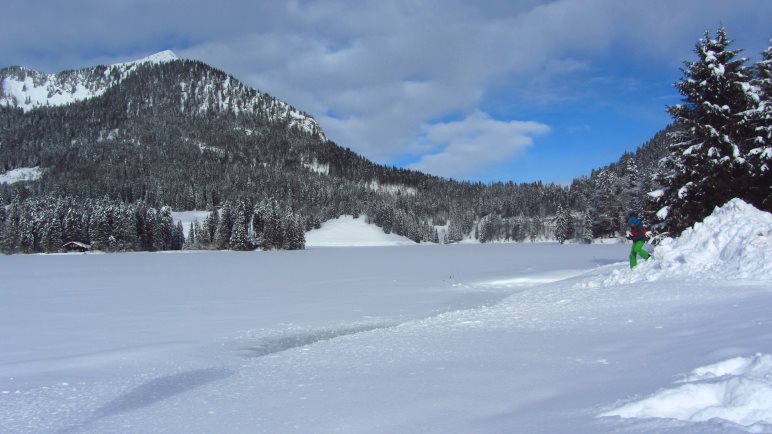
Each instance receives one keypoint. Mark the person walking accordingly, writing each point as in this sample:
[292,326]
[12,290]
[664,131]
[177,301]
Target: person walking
[637,234]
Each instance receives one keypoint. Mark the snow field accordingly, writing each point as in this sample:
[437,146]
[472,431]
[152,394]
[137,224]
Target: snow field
[440,339]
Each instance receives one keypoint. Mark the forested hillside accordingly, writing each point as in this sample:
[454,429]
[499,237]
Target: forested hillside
[185,135]
[182,135]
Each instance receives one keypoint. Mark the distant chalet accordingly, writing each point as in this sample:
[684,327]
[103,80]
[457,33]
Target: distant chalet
[75,246]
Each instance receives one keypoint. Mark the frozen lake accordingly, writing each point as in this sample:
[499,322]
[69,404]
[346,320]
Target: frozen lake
[459,338]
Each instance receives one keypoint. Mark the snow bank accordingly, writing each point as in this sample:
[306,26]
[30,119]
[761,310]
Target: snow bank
[734,242]
[350,231]
[738,390]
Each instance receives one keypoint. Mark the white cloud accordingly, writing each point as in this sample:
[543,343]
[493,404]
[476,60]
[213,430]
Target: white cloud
[473,143]
[385,69]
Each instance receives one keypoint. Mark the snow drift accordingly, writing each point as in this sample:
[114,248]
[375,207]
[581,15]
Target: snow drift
[738,390]
[736,241]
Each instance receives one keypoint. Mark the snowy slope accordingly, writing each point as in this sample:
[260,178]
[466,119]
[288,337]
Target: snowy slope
[20,174]
[349,231]
[438,339]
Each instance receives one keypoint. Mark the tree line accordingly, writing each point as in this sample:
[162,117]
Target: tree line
[46,224]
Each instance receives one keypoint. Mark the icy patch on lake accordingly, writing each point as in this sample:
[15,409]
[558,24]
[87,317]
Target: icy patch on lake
[735,242]
[738,390]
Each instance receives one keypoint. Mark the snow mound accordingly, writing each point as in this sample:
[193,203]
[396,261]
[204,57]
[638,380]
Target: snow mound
[347,231]
[738,390]
[733,242]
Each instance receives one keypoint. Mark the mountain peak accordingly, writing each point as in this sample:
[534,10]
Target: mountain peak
[160,57]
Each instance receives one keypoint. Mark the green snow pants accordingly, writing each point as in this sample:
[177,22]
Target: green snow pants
[637,250]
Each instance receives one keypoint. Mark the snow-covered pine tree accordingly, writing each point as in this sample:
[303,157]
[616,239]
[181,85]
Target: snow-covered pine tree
[100,227]
[287,225]
[147,218]
[605,202]
[533,228]
[26,232]
[224,227]
[632,188]
[126,229]
[3,216]
[273,232]
[72,227]
[561,224]
[210,227]
[296,234]
[164,233]
[52,234]
[259,217]
[300,239]
[10,233]
[760,143]
[484,229]
[197,236]
[314,222]
[190,241]
[239,237]
[587,227]
[517,231]
[179,237]
[706,169]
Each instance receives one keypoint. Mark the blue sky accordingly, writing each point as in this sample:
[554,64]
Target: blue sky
[486,91]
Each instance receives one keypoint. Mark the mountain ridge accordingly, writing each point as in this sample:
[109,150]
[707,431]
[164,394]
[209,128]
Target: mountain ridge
[28,89]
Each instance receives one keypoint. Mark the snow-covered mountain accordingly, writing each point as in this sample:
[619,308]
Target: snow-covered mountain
[181,133]
[29,89]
